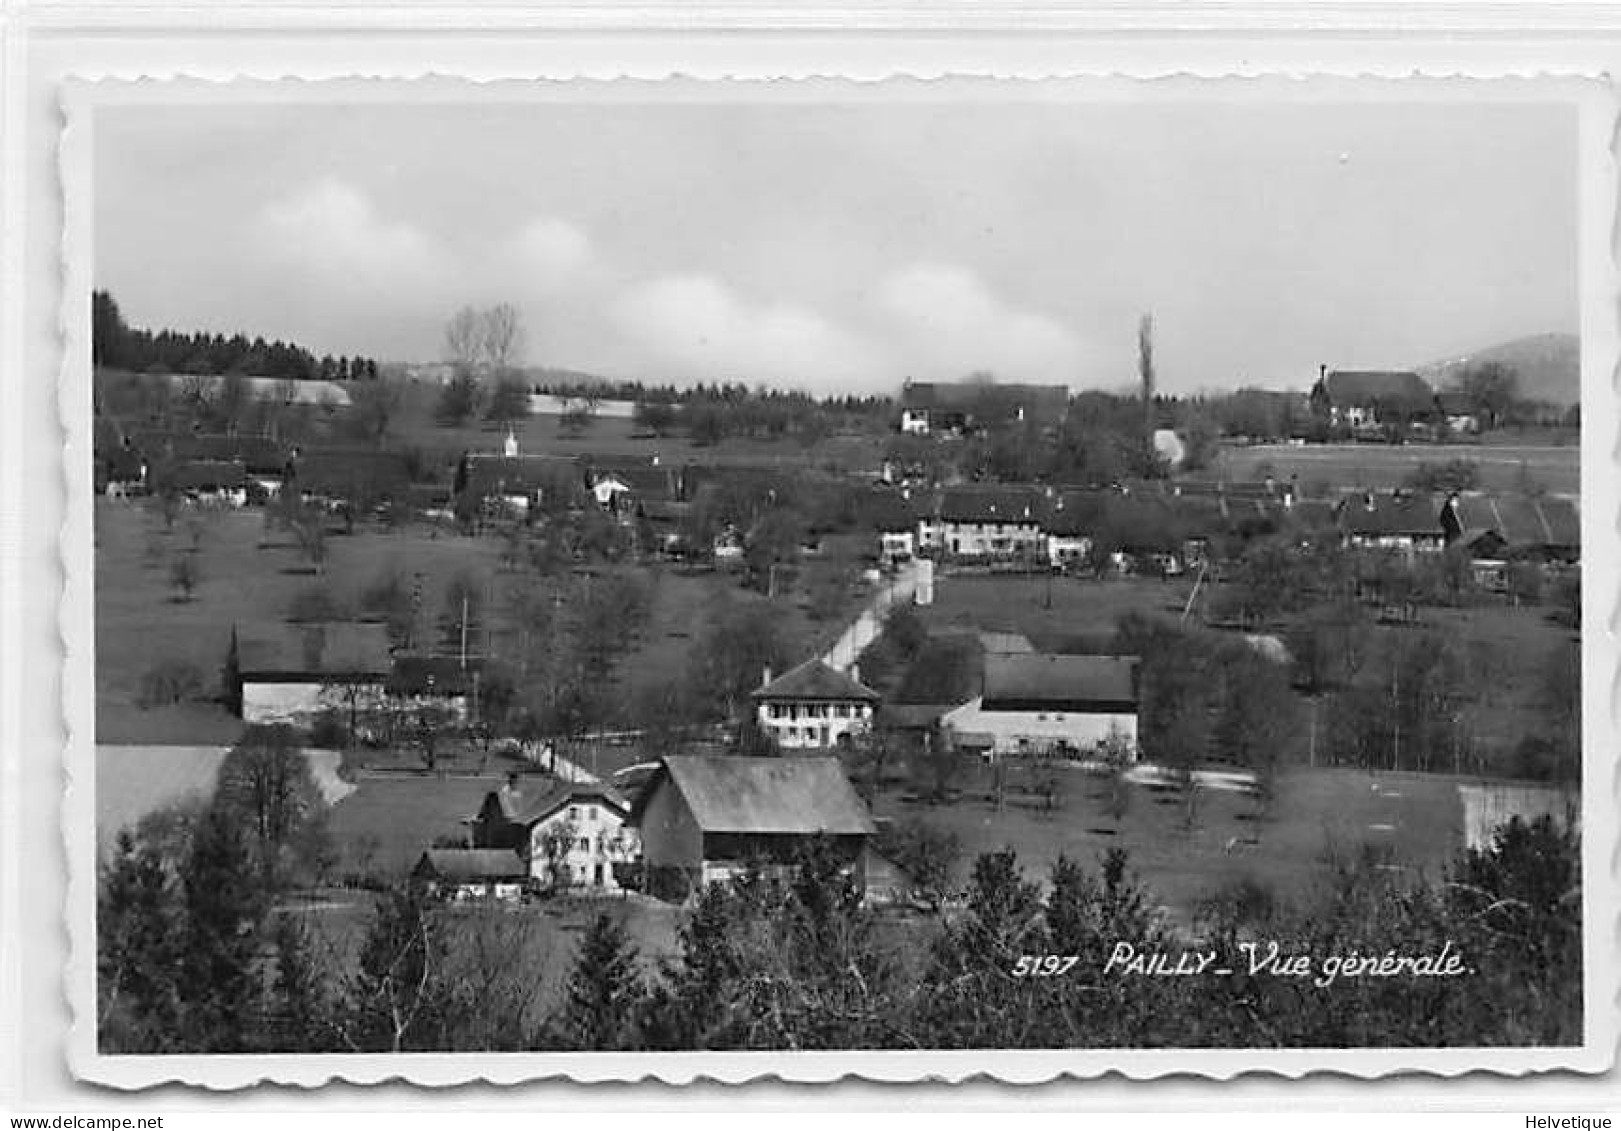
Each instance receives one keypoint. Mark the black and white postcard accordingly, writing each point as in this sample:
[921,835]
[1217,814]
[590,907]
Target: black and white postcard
[703,578]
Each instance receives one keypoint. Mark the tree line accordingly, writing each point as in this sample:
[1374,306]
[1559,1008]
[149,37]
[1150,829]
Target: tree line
[117,345]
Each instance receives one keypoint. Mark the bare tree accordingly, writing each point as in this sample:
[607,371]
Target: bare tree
[464,339]
[502,336]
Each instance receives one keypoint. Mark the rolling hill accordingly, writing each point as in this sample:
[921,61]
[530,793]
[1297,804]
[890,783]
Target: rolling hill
[1548,365]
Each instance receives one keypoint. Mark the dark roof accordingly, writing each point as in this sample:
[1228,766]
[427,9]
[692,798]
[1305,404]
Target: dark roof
[1015,682]
[1378,513]
[1520,520]
[644,482]
[206,475]
[446,675]
[891,510]
[121,464]
[815,680]
[1400,390]
[519,475]
[1456,402]
[663,510]
[340,472]
[1100,642]
[1040,403]
[346,649]
[1074,512]
[728,794]
[471,865]
[991,504]
[259,454]
[524,808]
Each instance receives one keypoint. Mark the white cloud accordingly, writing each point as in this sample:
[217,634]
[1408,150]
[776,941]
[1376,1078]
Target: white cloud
[336,239]
[945,322]
[551,255]
[694,326]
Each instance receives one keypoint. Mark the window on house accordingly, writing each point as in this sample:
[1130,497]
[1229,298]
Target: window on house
[584,844]
[842,710]
[573,812]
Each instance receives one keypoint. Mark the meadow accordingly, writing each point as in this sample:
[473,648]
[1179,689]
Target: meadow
[1323,468]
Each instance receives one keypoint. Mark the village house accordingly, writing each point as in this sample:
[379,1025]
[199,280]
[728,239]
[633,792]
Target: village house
[512,484]
[1069,522]
[1047,704]
[1459,411]
[622,486]
[462,874]
[1358,399]
[1407,522]
[297,675]
[568,834]
[961,407]
[703,818]
[814,707]
[894,515]
[991,523]
[355,479]
[210,482]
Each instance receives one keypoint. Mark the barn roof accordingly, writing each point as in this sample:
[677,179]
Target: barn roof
[815,680]
[207,475]
[1040,403]
[991,504]
[489,474]
[729,794]
[1402,390]
[1377,513]
[1012,681]
[339,471]
[416,675]
[1520,520]
[471,864]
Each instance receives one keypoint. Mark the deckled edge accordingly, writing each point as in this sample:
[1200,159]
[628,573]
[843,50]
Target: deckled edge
[79,97]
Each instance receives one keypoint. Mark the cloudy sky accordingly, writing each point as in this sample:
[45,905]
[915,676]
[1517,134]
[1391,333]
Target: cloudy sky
[847,246]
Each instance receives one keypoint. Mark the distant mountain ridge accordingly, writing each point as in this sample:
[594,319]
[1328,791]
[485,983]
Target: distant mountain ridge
[1548,365]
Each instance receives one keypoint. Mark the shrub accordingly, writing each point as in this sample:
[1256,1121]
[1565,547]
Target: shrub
[329,732]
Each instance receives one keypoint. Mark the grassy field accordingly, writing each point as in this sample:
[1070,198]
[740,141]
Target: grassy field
[248,577]
[1376,466]
[1040,603]
[1319,816]
[617,438]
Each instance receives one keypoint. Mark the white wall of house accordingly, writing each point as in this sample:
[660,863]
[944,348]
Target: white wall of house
[897,545]
[599,839]
[1015,732]
[914,422]
[300,702]
[990,539]
[1067,549]
[813,725]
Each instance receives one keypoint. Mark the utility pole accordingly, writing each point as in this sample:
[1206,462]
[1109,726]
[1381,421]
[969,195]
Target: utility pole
[464,632]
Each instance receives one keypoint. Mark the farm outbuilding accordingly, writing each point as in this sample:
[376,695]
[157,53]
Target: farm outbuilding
[1049,704]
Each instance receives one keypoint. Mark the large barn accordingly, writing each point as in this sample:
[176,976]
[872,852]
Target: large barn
[1046,704]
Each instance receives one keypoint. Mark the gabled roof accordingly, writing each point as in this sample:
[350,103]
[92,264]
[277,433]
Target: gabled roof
[1400,390]
[207,475]
[1040,403]
[471,865]
[1520,520]
[259,454]
[889,510]
[1391,513]
[519,475]
[1074,512]
[815,680]
[1045,681]
[522,807]
[728,794]
[340,472]
[1015,505]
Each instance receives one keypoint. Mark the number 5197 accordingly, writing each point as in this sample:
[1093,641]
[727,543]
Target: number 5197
[1044,965]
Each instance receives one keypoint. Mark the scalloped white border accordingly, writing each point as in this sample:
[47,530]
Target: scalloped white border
[1598,109]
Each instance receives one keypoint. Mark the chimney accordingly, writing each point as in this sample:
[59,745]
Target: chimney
[1367,500]
[855,672]
[765,676]
[1322,372]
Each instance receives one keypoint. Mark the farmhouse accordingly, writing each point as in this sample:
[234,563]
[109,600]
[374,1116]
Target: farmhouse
[1049,704]
[894,515]
[207,481]
[1069,523]
[1405,521]
[814,707]
[928,407]
[991,523]
[1362,398]
[1459,411]
[569,834]
[471,873]
[294,676]
[704,818]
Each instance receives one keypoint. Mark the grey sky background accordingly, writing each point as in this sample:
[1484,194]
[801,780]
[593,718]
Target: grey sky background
[839,247]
